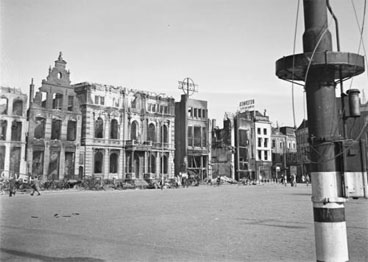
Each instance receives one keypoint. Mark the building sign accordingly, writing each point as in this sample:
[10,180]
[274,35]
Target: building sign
[246,105]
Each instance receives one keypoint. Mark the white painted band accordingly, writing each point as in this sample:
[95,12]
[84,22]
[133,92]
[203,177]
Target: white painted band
[331,242]
[326,185]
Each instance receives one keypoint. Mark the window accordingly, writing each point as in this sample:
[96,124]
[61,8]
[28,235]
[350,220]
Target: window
[55,129]
[71,130]
[114,129]
[204,113]
[18,108]
[273,143]
[70,103]
[258,131]
[200,113]
[266,142]
[281,144]
[265,155]
[113,163]
[259,142]
[97,100]
[243,137]
[197,136]
[204,137]
[16,132]
[151,134]
[3,106]
[265,131]
[102,99]
[259,154]
[99,128]
[3,127]
[190,136]
[195,112]
[134,131]
[98,162]
[57,101]
[190,112]
[39,131]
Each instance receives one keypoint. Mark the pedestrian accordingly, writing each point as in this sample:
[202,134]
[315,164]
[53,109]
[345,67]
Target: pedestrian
[35,184]
[218,180]
[12,187]
[285,180]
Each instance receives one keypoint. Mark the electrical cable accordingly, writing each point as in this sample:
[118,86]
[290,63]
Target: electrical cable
[292,80]
[361,42]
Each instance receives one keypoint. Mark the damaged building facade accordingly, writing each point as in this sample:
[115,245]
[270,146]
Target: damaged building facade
[13,130]
[192,152]
[54,127]
[126,133]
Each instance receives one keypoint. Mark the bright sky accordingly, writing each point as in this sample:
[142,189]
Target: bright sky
[228,47]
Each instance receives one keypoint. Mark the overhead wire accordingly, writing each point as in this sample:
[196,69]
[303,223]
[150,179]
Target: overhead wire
[361,30]
[292,80]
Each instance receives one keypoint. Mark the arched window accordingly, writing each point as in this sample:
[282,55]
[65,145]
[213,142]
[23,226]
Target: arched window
[165,134]
[114,134]
[151,135]
[134,131]
[98,162]
[18,107]
[55,129]
[113,163]
[99,128]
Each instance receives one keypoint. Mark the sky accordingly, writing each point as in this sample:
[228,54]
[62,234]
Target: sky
[228,47]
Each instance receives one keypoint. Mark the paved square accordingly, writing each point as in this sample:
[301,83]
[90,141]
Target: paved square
[227,223]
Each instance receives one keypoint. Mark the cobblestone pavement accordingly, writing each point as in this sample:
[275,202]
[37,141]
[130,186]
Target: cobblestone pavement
[227,223]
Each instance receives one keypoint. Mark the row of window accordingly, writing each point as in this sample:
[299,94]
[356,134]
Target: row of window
[155,108]
[259,131]
[198,113]
[290,145]
[263,154]
[17,107]
[262,142]
[16,130]
[197,136]
[57,101]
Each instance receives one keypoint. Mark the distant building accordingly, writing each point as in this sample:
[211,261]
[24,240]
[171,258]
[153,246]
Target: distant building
[192,137]
[284,151]
[54,127]
[127,134]
[222,148]
[13,131]
[303,148]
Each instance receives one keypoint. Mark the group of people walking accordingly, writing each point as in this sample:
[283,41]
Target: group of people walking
[14,182]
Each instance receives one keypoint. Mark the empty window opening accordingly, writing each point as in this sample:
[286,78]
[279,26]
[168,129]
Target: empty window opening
[3,106]
[57,101]
[16,132]
[71,130]
[70,103]
[53,171]
[197,136]
[3,127]
[55,129]
[69,165]
[18,108]
[39,130]
[37,163]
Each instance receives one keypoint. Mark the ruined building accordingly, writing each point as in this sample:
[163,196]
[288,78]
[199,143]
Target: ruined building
[192,137]
[54,127]
[126,134]
[13,130]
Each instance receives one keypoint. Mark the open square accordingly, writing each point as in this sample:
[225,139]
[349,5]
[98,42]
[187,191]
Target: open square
[206,223]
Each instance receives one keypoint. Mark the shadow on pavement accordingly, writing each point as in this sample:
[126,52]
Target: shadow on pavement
[271,223]
[48,258]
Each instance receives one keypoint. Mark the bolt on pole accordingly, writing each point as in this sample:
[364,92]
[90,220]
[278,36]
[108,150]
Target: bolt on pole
[319,67]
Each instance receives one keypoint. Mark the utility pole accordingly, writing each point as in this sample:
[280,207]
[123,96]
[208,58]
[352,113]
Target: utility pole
[319,67]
